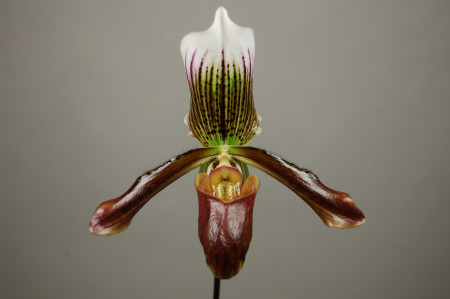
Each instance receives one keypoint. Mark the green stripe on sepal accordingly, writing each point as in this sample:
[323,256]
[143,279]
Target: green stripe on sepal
[219,69]
[222,111]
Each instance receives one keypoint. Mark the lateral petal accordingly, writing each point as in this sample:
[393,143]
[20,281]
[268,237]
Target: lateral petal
[335,208]
[115,215]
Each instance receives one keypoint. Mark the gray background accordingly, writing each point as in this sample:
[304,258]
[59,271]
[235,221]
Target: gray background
[94,92]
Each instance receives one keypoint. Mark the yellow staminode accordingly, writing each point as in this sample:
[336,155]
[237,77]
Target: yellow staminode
[226,179]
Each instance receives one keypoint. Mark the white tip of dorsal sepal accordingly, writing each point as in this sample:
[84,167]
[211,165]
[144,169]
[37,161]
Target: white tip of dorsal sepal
[223,22]
[221,18]
[223,40]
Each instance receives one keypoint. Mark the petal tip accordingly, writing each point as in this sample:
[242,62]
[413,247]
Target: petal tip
[100,230]
[107,221]
[221,15]
[341,221]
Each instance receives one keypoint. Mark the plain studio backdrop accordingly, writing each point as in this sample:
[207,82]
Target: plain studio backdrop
[93,93]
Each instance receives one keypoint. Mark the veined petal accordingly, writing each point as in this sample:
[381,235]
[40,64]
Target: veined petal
[219,68]
[114,216]
[335,208]
[225,227]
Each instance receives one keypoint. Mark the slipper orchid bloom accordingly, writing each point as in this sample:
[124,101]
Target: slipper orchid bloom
[222,116]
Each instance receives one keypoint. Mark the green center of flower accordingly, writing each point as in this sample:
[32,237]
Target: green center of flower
[222,110]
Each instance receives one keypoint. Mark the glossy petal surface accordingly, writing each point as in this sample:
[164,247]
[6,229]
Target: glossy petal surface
[114,216]
[335,208]
[225,227]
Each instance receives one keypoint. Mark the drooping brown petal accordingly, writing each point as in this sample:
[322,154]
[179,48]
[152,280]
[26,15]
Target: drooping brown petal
[333,207]
[225,227]
[114,216]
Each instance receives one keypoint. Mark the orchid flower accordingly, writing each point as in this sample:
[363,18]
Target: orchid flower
[222,116]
